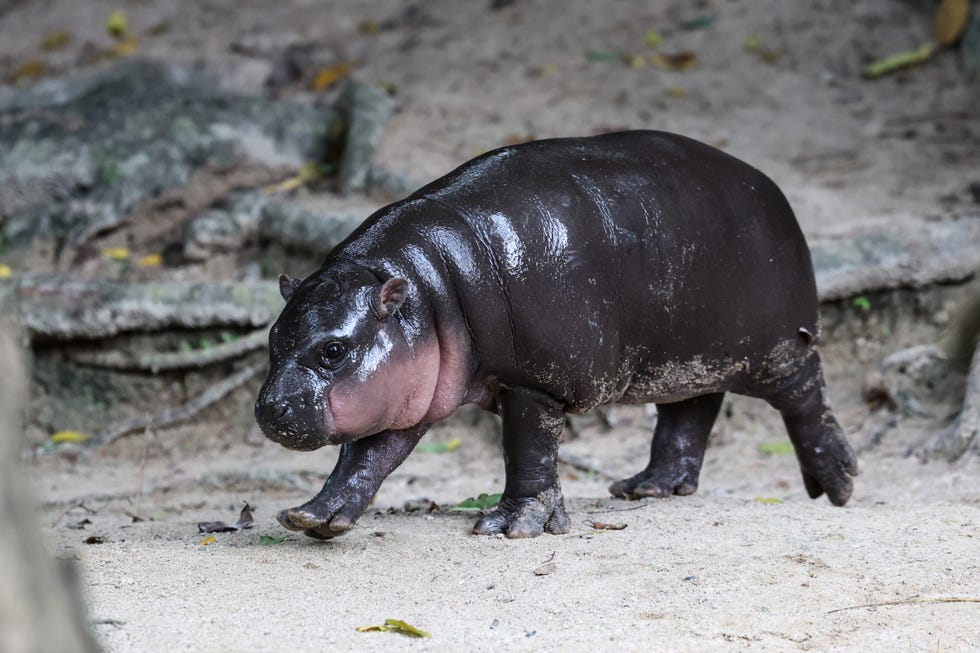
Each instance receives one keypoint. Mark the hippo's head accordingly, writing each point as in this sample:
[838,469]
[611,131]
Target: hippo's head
[343,363]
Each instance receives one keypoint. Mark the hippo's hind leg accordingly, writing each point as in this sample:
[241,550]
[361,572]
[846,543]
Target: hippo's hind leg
[532,502]
[826,459]
[679,441]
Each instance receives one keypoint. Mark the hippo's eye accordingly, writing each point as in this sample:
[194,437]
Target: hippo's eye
[333,353]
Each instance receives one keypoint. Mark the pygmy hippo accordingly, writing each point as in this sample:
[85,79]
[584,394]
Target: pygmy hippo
[548,278]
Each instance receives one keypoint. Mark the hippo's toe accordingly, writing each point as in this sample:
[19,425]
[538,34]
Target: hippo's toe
[656,483]
[526,517]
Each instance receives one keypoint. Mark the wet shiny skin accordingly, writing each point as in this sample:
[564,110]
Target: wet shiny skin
[553,277]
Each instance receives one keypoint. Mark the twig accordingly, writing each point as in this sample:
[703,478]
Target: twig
[176,414]
[146,448]
[582,465]
[911,601]
[596,512]
[156,361]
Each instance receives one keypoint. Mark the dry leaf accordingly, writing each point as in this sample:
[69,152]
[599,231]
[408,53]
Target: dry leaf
[55,41]
[330,76]
[604,526]
[395,626]
[150,261]
[68,436]
[210,539]
[545,569]
[244,521]
[116,253]
[679,61]
[27,71]
[5,271]
[951,20]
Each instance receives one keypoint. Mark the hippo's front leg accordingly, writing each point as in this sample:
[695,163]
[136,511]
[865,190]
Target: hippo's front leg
[362,466]
[532,502]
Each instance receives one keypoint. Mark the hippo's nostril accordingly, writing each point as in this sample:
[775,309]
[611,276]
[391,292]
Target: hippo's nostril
[269,412]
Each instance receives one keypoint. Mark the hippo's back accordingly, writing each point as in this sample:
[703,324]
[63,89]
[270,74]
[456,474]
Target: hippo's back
[598,261]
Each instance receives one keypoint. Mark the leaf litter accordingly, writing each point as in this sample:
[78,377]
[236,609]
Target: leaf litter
[244,521]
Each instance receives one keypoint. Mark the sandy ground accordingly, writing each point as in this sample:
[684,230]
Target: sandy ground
[720,570]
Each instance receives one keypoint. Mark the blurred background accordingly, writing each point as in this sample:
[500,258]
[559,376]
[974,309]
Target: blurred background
[161,163]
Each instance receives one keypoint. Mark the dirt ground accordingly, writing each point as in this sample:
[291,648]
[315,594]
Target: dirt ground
[728,568]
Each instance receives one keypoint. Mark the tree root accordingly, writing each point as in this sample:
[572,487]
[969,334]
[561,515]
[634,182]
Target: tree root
[176,414]
[60,308]
[158,362]
[963,434]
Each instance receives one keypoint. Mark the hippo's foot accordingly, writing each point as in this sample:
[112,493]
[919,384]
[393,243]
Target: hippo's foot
[323,517]
[526,516]
[828,469]
[658,482]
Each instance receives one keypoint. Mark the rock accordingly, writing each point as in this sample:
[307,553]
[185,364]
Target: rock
[883,259]
[920,381]
[77,155]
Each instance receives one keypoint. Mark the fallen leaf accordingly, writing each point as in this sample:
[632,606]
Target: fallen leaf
[768,500]
[68,436]
[439,447]
[55,41]
[79,525]
[603,526]
[27,71]
[637,61]
[116,253]
[545,569]
[210,539]
[117,25]
[94,539]
[394,626]
[603,55]
[309,171]
[158,29]
[244,521]
[697,23]
[150,261]
[780,448]
[754,45]
[679,61]
[899,61]
[123,48]
[330,76]
[268,540]
[5,271]
[951,18]
[653,38]
[482,502]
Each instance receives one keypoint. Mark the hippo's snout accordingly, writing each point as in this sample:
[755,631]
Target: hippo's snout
[293,421]
[270,412]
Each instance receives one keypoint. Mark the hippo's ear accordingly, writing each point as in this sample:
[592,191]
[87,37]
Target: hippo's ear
[391,296]
[288,285]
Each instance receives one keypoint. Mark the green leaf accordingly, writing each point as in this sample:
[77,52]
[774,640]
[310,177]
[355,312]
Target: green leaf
[768,500]
[901,60]
[400,626]
[482,502]
[268,540]
[117,25]
[862,303]
[439,447]
[780,448]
